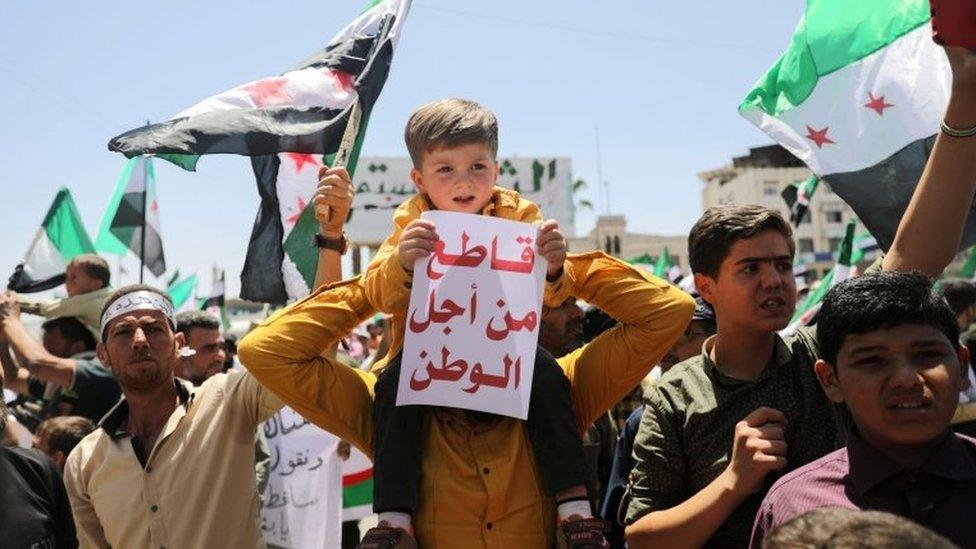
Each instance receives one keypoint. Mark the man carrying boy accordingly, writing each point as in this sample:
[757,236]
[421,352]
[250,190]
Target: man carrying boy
[890,351]
[692,488]
[86,280]
[453,144]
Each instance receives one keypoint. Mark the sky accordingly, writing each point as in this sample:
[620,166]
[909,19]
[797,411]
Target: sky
[658,81]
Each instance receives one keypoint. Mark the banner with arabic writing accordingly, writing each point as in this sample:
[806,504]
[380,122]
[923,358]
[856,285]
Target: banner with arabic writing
[473,321]
[301,504]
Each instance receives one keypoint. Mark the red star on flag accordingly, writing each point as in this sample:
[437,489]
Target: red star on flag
[300,159]
[345,81]
[877,104]
[268,91]
[301,208]
[154,207]
[819,136]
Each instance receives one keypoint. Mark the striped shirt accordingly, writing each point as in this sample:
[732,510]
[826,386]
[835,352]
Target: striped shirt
[940,495]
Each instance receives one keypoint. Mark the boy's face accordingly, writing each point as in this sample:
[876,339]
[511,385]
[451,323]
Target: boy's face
[901,384]
[755,288]
[78,282]
[457,179]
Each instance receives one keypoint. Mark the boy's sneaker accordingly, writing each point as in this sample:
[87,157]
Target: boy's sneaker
[584,533]
[387,537]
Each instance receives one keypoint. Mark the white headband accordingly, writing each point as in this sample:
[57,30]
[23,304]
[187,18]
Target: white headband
[141,300]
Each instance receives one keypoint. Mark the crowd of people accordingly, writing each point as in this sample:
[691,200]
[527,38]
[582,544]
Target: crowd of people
[657,418]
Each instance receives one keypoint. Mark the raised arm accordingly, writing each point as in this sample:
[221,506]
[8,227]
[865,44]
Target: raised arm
[651,312]
[386,281]
[284,354]
[929,233]
[333,197]
[30,353]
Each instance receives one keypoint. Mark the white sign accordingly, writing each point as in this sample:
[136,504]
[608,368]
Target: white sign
[473,320]
[302,502]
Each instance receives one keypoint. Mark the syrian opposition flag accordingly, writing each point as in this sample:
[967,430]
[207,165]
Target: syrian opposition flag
[61,237]
[797,197]
[132,211]
[858,97]
[180,290]
[281,259]
[846,267]
[215,303]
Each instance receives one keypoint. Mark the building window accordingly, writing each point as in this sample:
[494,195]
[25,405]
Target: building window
[805,245]
[606,245]
[834,244]
[834,216]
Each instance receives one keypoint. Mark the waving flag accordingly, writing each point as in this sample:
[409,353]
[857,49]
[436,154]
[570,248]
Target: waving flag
[131,221]
[61,237]
[858,97]
[281,259]
[798,196]
[303,110]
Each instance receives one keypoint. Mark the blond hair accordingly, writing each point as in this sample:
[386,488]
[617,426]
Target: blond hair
[449,123]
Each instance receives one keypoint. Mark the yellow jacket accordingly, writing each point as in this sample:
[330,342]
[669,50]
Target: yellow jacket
[480,485]
[387,283]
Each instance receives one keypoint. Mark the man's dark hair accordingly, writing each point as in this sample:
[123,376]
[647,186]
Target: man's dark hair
[960,294]
[712,236]
[836,528]
[877,300]
[65,432]
[72,330]
[187,320]
[94,266]
[125,290]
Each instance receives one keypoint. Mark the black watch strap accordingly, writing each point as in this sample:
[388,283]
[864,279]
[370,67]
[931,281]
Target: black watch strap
[338,244]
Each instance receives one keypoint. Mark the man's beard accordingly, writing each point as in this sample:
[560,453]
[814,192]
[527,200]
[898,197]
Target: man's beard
[143,380]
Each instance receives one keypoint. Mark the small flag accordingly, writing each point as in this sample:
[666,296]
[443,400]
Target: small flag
[847,257]
[132,210]
[61,237]
[281,258]
[215,303]
[858,97]
[173,278]
[798,196]
[180,291]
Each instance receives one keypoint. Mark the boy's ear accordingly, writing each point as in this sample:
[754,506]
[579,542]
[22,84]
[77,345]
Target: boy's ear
[827,376]
[705,286]
[418,180]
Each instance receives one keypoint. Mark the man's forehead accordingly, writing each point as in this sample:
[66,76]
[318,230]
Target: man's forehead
[148,316]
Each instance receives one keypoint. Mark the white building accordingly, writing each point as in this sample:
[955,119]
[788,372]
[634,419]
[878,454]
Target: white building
[610,235]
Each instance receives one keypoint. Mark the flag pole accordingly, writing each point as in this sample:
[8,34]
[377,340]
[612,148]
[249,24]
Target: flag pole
[142,235]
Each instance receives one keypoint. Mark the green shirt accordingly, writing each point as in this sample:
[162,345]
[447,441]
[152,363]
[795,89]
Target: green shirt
[686,434]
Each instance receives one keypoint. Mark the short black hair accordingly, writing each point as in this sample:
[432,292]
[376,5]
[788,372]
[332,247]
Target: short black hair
[188,320]
[876,300]
[71,329]
[960,294]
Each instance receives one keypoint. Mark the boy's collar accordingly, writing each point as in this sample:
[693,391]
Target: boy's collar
[869,466]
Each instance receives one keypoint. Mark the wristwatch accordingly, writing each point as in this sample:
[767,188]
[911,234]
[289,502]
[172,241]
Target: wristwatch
[338,244]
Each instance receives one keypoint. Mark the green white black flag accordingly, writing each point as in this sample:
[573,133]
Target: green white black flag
[132,210]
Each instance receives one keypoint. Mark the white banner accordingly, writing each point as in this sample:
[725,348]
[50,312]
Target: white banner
[473,320]
[382,183]
[302,502]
